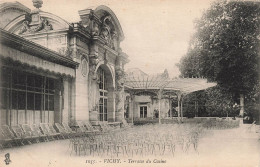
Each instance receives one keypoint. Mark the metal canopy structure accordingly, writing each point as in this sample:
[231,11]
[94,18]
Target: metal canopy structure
[146,81]
[188,85]
[161,84]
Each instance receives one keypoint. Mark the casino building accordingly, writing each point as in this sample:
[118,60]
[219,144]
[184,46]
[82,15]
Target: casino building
[55,71]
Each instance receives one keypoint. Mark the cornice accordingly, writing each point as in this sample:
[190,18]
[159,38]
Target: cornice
[24,45]
[77,28]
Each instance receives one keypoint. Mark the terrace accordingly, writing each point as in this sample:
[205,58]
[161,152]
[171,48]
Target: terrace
[209,143]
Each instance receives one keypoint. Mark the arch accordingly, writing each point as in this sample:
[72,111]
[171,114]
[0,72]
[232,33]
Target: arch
[14,5]
[169,93]
[107,67]
[101,10]
[11,10]
[145,93]
[106,91]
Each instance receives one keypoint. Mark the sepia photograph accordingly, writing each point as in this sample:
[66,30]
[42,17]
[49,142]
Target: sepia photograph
[126,83]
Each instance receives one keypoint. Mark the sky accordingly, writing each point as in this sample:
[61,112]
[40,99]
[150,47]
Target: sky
[157,32]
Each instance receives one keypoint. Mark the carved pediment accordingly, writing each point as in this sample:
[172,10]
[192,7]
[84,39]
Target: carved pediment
[36,24]
[103,23]
[108,32]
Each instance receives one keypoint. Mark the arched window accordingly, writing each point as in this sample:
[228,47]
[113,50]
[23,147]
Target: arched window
[103,95]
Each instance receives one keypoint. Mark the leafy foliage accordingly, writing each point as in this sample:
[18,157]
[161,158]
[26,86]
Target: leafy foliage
[226,45]
[225,49]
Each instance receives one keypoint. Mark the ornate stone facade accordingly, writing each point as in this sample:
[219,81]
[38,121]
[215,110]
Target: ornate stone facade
[93,44]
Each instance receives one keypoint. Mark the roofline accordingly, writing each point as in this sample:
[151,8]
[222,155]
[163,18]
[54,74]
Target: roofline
[24,45]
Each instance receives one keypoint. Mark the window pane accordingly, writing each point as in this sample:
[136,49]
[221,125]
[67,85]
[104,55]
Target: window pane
[51,84]
[21,81]
[51,102]
[105,83]
[47,83]
[21,100]
[30,82]
[38,81]
[14,100]
[145,112]
[5,75]
[101,109]
[3,102]
[38,101]
[101,117]
[30,101]
[14,79]
[46,102]
[105,117]
[105,105]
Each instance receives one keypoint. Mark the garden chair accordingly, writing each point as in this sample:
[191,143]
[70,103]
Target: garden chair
[27,135]
[36,130]
[10,135]
[78,145]
[69,130]
[63,132]
[29,132]
[5,141]
[83,129]
[90,127]
[46,130]
[18,131]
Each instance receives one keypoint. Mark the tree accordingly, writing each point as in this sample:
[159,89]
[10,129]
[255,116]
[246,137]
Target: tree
[225,47]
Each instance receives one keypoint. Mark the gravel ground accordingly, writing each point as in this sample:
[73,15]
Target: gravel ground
[234,147]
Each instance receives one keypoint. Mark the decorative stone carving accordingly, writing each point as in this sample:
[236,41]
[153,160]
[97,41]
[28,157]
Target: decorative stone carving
[93,61]
[114,40]
[37,3]
[66,51]
[95,29]
[108,32]
[93,95]
[84,67]
[43,25]
[119,94]
[120,80]
[25,27]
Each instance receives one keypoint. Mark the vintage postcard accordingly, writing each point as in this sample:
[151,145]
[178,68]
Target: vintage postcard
[86,83]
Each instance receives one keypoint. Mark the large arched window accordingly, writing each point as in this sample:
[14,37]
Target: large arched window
[103,95]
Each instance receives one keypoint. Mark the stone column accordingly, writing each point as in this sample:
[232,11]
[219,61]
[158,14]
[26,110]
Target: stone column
[120,99]
[93,88]
[111,105]
[179,105]
[159,101]
[119,104]
[65,113]
[72,113]
[93,99]
[131,107]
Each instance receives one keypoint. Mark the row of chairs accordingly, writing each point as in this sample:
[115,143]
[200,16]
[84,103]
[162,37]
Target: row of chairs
[144,140]
[27,134]
[221,124]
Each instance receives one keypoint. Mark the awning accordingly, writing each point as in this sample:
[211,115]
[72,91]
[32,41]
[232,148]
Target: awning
[142,81]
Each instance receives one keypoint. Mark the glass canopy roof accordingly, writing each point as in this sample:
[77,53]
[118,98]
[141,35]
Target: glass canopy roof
[137,80]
